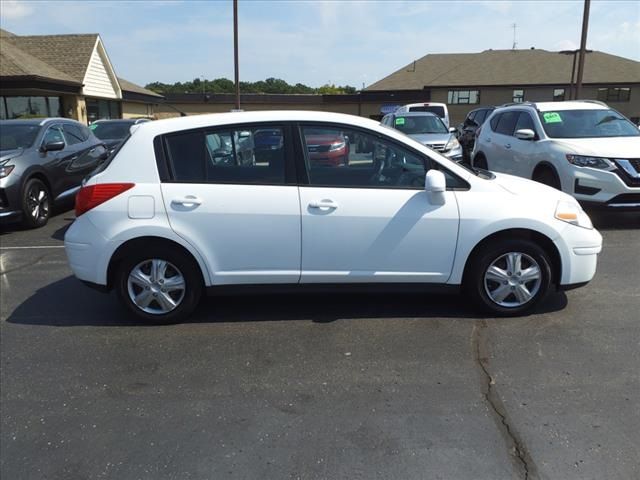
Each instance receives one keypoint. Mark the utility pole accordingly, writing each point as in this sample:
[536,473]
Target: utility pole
[583,47]
[515,44]
[235,52]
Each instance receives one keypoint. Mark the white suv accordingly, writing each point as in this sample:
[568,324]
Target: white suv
[175,212]
[583,148]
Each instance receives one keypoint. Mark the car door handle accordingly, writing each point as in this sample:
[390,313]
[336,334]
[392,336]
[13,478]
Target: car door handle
[188,201]
[323,204]
[507,145]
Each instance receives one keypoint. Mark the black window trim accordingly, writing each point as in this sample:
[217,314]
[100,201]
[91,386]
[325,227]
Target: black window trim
[302,158]
[167,174]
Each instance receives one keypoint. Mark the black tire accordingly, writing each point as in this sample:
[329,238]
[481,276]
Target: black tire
[484,291]
[36,203]
[480,161]
[547,177]
[179,262]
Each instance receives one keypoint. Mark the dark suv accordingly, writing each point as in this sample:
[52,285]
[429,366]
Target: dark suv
[43,161]
[113,132]
[466,131]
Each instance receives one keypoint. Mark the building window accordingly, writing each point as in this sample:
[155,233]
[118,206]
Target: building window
[614,94]
[463,97]
[29,107]
[518,96]
[558,94]
[102,109]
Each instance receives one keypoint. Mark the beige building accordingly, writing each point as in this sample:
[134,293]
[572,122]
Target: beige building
[67,76]
[462,81]
[466,81]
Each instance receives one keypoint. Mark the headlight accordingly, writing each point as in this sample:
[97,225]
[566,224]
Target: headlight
[6,170]
[336,146]
[571,212]
[593,162]
[452,144]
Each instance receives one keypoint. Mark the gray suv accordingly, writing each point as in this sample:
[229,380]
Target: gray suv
[43,161]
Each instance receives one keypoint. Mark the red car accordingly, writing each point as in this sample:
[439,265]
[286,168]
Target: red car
[327,147]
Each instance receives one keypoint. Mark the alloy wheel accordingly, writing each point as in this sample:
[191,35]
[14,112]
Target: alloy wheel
[156,286]
[513,279]
[38,202]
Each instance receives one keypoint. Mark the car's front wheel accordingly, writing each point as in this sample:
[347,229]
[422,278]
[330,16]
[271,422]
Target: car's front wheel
[508,277]
[159,285]
[36,203]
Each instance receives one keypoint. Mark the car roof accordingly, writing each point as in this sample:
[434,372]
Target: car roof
[37,121]
[418,114]
[169,125]
[558,106]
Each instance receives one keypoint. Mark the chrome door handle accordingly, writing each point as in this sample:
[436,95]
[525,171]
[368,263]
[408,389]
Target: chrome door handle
[508,145]
[188,201]
[323,204]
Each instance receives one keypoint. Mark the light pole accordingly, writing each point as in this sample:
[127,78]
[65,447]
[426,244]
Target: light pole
[235,52]
[583,47]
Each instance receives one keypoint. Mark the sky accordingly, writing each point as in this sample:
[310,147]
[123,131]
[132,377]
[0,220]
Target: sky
[317,42]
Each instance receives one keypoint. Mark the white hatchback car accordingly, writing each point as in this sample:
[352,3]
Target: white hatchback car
[581,147]
[175,212]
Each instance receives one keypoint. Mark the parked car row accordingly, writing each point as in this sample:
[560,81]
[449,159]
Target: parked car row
[43,162]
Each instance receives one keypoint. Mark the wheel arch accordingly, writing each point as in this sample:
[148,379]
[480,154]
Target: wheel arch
[144,242]
[546,165]
[40,175]
[522,233]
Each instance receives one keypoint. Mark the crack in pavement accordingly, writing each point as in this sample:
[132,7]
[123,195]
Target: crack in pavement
[517,450]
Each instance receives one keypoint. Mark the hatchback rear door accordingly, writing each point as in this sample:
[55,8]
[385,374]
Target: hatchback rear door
[231,194]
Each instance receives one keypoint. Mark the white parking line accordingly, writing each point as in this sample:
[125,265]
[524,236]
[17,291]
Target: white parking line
[35,247]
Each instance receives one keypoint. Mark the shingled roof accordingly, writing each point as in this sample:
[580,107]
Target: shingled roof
[15,62]
[127,86]
[66,53]
[507,67]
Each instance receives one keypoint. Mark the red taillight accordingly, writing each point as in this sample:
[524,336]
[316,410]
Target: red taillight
[93,195]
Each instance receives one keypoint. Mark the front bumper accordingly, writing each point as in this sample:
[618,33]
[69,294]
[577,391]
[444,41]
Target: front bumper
[579,249]
[611,189]
[10,202]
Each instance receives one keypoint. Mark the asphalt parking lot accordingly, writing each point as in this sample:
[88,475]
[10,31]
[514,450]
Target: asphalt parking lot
[316,386]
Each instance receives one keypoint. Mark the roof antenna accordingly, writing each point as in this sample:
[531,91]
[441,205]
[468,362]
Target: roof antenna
[515,44]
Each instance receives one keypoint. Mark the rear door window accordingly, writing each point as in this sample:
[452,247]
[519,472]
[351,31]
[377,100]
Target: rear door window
[252,155]
[73,134]
[494,121]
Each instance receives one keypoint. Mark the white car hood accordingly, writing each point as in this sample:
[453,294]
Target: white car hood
[522,186]
[614,147]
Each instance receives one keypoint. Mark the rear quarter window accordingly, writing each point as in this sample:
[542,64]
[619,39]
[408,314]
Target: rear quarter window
[494,121]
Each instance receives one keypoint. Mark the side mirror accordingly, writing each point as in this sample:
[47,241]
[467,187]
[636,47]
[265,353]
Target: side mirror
[435,182]
[244,134]
[452,129]
[525,134]
[53,146]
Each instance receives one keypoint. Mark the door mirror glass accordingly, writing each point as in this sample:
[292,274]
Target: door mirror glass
[452,129]
[435,182]
[53,146]
[525,134]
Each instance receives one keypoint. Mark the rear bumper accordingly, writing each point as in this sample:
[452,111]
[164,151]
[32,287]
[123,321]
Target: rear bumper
[84,246]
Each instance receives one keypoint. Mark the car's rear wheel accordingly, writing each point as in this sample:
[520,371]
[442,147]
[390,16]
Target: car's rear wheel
[508,277]
[36,203]
[159,285]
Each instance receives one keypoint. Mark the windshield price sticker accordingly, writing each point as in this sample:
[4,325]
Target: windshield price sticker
[400,121]
[552,117]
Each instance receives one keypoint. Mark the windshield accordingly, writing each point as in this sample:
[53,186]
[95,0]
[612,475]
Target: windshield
[110,130]
[587,124]
[411,125]
[17,136]
[425,108]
